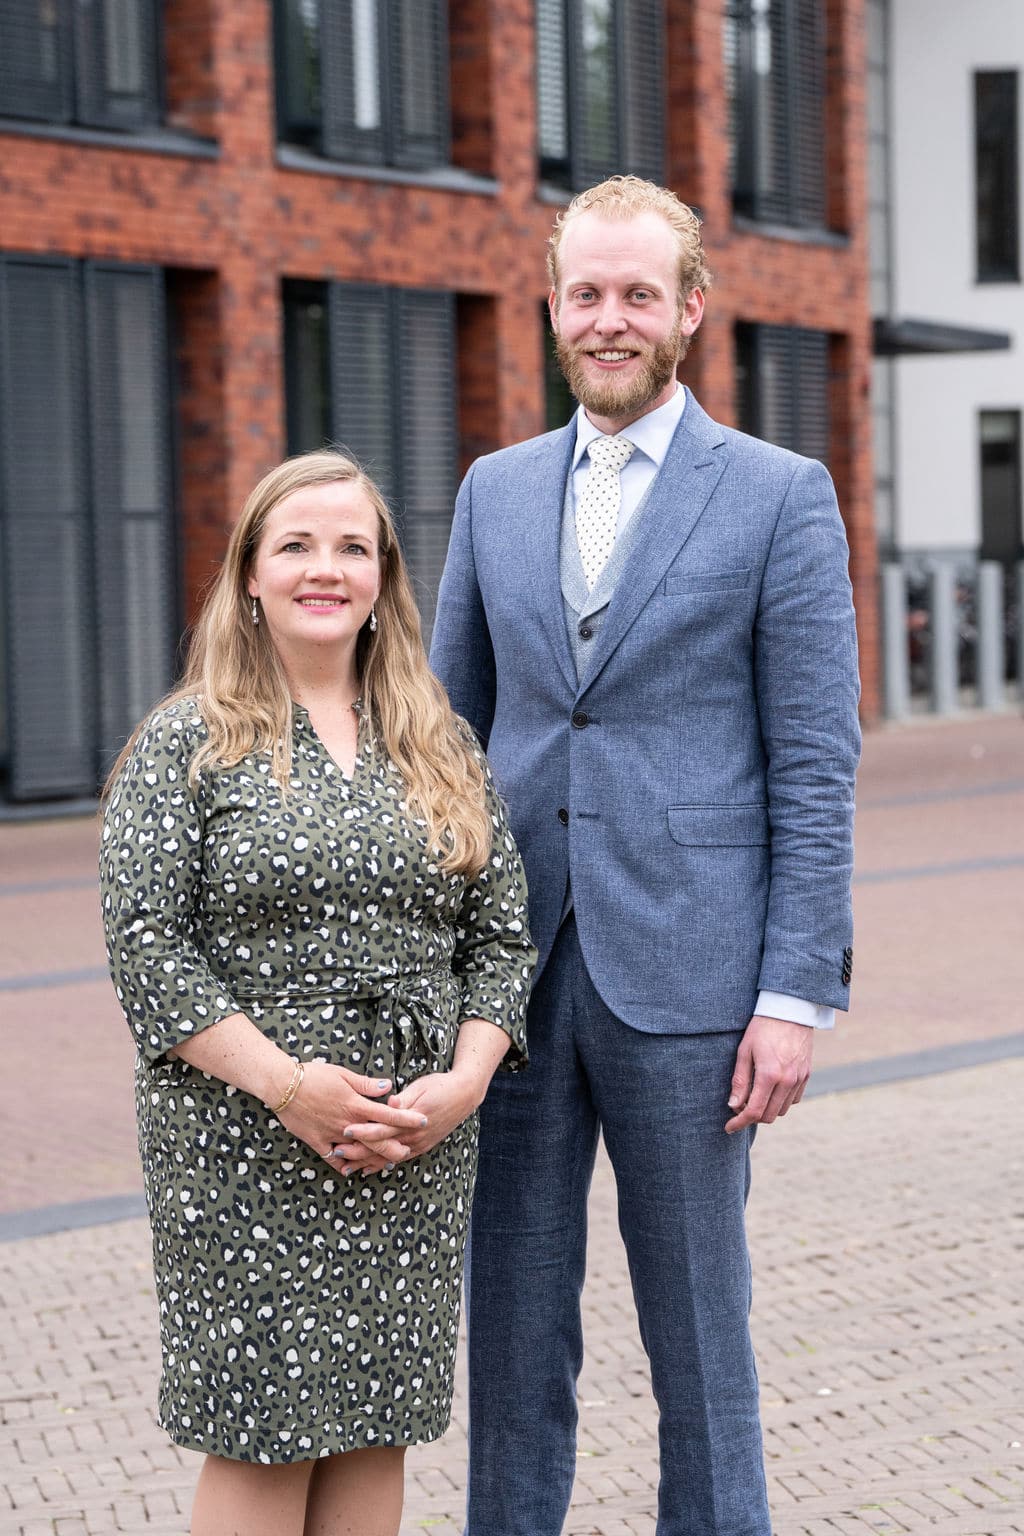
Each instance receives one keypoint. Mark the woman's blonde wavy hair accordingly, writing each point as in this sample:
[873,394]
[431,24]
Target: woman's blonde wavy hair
[235,675]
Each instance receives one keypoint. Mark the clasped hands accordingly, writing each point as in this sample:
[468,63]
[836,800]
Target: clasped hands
[356,1123]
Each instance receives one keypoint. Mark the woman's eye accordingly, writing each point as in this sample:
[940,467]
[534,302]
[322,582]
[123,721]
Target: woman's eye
[290,547]
[355,549]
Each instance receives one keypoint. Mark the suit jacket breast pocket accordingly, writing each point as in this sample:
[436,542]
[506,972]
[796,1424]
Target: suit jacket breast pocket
[692,583]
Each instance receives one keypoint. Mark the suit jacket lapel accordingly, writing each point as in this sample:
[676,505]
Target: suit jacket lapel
[540,495]
[693,466]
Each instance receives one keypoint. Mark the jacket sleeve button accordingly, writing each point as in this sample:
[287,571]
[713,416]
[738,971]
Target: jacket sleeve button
[563,816]
[580,720]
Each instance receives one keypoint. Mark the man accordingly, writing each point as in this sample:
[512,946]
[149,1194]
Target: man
[647,619]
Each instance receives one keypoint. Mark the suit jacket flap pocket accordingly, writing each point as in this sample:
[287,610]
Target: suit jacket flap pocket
[706,581]
[719,826]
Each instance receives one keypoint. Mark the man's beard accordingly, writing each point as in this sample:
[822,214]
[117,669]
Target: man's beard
[616,397]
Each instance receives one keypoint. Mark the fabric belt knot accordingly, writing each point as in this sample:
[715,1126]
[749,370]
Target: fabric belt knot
[597,510]
[417,1016]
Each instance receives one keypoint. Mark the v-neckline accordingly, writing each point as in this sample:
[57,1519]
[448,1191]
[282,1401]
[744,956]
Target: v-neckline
[301,714]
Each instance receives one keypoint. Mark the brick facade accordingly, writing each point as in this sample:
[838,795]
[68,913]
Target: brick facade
[228,221]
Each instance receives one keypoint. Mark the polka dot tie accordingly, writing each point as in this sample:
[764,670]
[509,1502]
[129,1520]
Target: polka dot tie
[597,510]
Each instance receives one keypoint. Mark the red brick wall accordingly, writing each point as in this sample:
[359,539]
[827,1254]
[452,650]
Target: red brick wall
[233,226]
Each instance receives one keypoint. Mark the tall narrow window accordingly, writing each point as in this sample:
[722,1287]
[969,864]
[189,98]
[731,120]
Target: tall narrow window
[365,80]
[996,137]
[782,378]
[84,498]
[373,369]
[94,64]
[1002,513]
[600,89]
[775,74]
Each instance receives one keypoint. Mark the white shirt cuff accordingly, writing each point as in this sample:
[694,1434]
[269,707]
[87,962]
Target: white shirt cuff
[779,1005]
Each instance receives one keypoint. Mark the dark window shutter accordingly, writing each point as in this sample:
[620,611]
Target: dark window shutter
[807,158]
[131,495]
[394,409]
[48,607]
[35,61]
[775,111]
[418,83]
[552,48]
[593,63]
[351,80]
[775,71]
[643,93]
[738,43]
[783,386]
[811,394]
[362,373]
[116,63]
[425,397]
[616,87]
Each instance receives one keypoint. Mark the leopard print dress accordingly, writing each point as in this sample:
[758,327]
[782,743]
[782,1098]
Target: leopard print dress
[302,1313]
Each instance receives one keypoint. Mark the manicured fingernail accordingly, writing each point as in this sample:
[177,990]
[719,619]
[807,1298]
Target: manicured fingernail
[383,1082]
[423,1119]
[389,1168]
[734,1102]
[347,1135]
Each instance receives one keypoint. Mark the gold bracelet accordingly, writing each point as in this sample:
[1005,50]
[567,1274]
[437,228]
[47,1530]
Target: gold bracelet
[293,1087]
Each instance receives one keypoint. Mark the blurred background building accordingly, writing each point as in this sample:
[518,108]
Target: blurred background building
[948,389]
[230,229]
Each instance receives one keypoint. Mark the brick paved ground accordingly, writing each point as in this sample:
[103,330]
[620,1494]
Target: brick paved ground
[887,1228]
[885,1223]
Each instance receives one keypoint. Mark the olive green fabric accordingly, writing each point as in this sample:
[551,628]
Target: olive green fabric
[301,1313]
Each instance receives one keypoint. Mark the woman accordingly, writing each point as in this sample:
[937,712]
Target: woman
[315,921]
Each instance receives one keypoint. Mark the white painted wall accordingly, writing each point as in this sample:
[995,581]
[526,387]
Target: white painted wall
[936,45]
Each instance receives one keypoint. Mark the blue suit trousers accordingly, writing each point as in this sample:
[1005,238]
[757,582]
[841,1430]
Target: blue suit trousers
[660,1103]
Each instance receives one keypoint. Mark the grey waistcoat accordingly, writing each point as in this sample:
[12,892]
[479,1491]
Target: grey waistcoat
[587,610]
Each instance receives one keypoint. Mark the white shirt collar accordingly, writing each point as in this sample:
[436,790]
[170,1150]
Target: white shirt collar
[650,434]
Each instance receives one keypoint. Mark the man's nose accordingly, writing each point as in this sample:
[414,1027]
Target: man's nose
[610,317]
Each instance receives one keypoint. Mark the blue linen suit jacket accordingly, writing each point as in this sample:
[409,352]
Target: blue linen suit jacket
[706,756]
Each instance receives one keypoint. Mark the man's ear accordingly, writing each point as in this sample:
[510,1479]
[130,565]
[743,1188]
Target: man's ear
[693,313]
[553,310]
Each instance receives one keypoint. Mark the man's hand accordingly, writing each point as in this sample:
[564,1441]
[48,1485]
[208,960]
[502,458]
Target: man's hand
[773,1064]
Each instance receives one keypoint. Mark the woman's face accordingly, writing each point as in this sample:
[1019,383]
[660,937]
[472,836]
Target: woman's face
[317,571]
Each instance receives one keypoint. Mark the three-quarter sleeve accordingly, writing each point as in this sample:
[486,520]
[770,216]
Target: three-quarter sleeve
[494,957]
[151,870]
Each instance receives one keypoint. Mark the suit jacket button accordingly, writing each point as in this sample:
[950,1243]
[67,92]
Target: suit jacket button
[585,632]
[563,816]
[580,720]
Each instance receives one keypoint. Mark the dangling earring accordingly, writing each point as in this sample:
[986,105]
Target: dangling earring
[373,621]
[255,613]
